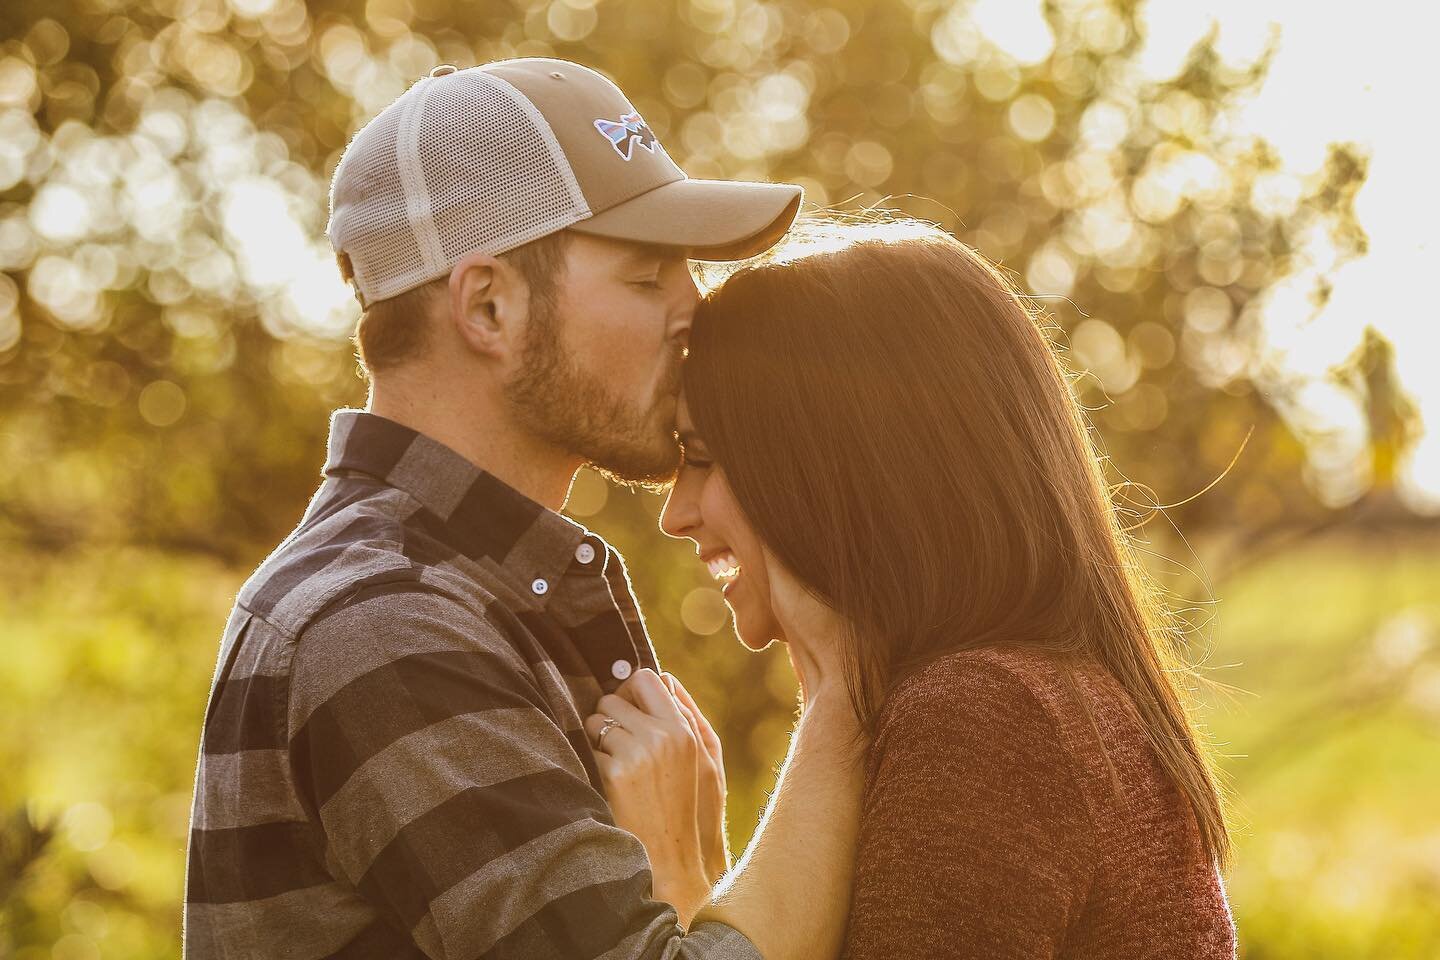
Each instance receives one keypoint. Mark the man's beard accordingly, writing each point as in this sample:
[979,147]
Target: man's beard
[561,402]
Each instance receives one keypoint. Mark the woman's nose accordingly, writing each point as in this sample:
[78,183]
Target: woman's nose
[679,517]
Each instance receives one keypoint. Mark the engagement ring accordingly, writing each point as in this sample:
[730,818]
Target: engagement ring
[604,729]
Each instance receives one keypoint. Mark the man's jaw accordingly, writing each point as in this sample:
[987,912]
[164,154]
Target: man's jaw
[661,462]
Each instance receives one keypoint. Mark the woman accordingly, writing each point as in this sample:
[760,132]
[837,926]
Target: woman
[877,422]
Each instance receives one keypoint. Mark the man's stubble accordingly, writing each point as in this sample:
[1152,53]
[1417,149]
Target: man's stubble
[561,401]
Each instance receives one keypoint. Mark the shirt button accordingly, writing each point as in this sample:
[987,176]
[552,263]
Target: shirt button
[584,553]
[620,669]
[539,586]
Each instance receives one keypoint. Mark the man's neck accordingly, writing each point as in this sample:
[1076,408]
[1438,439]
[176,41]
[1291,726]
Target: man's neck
[537,470]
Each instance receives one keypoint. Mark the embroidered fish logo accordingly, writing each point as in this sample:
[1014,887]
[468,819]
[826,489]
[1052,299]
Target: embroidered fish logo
[626,133]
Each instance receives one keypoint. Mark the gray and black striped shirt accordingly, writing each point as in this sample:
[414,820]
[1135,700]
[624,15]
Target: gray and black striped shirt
[393,763]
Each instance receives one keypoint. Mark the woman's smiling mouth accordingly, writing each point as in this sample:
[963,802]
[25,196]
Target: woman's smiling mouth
[724,567]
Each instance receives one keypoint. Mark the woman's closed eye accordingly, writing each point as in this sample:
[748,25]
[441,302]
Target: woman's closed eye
[692,458]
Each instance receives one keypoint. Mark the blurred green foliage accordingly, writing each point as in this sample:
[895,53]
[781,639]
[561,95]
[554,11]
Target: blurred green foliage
[172,338]
[167,297]
[1333,747]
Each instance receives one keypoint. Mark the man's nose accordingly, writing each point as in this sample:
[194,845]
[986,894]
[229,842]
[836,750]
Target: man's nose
[689,299]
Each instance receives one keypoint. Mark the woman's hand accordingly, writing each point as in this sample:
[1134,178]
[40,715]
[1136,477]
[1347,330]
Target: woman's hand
[648,764]
[813,631]
[710,783]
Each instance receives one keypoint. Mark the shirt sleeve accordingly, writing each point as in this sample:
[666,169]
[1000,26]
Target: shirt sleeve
[974,838]
[448,795]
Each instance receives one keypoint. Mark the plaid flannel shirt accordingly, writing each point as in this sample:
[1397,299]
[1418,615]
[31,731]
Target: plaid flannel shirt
[393,763]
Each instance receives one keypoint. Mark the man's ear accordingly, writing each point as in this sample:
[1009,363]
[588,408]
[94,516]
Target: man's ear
[489,305]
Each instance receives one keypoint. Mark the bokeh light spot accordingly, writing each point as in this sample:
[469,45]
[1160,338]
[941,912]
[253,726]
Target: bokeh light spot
[1032,117]
[588,494]
[703,611]
[88,825]
[162,403]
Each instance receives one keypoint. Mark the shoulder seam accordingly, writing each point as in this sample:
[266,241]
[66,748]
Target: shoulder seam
[358,594]
[390,579]
[423,590]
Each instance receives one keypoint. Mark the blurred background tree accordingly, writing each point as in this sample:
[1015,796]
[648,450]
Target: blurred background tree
[173,336]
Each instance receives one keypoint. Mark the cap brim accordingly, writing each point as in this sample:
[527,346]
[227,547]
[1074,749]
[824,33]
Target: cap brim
[713,219]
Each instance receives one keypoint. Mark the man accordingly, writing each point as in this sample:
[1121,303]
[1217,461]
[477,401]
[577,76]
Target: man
[393,761]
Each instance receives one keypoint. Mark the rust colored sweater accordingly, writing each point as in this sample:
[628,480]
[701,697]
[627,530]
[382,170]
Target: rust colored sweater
[990,829]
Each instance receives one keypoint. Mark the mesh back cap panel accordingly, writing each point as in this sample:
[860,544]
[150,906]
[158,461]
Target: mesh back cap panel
[527,190]
[424,184]
[369,219]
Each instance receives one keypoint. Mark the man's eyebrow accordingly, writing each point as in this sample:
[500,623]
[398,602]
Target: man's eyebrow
[643,253]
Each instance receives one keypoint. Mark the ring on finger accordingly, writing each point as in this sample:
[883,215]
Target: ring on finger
[605,727]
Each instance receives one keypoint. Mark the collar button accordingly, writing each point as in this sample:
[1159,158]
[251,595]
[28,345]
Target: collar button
[584,553]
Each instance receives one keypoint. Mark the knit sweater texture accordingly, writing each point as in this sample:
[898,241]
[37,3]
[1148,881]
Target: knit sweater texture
[991,829]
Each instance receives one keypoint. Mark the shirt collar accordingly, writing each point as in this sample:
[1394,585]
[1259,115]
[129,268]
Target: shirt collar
[528,544]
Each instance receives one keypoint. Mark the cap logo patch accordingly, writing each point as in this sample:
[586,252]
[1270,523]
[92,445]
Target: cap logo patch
[623,135]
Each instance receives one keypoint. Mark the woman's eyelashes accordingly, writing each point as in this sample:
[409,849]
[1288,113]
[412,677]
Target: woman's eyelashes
[691,459]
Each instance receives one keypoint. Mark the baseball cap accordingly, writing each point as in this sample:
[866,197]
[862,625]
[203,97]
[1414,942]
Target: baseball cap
[491,157]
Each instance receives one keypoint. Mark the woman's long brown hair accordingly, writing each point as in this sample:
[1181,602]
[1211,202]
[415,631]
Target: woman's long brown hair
[898,429]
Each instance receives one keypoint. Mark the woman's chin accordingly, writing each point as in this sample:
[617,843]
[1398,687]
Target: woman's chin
[754,641]
[754,629]
[753,635]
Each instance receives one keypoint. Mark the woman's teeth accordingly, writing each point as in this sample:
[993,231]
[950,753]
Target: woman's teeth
[724,567]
